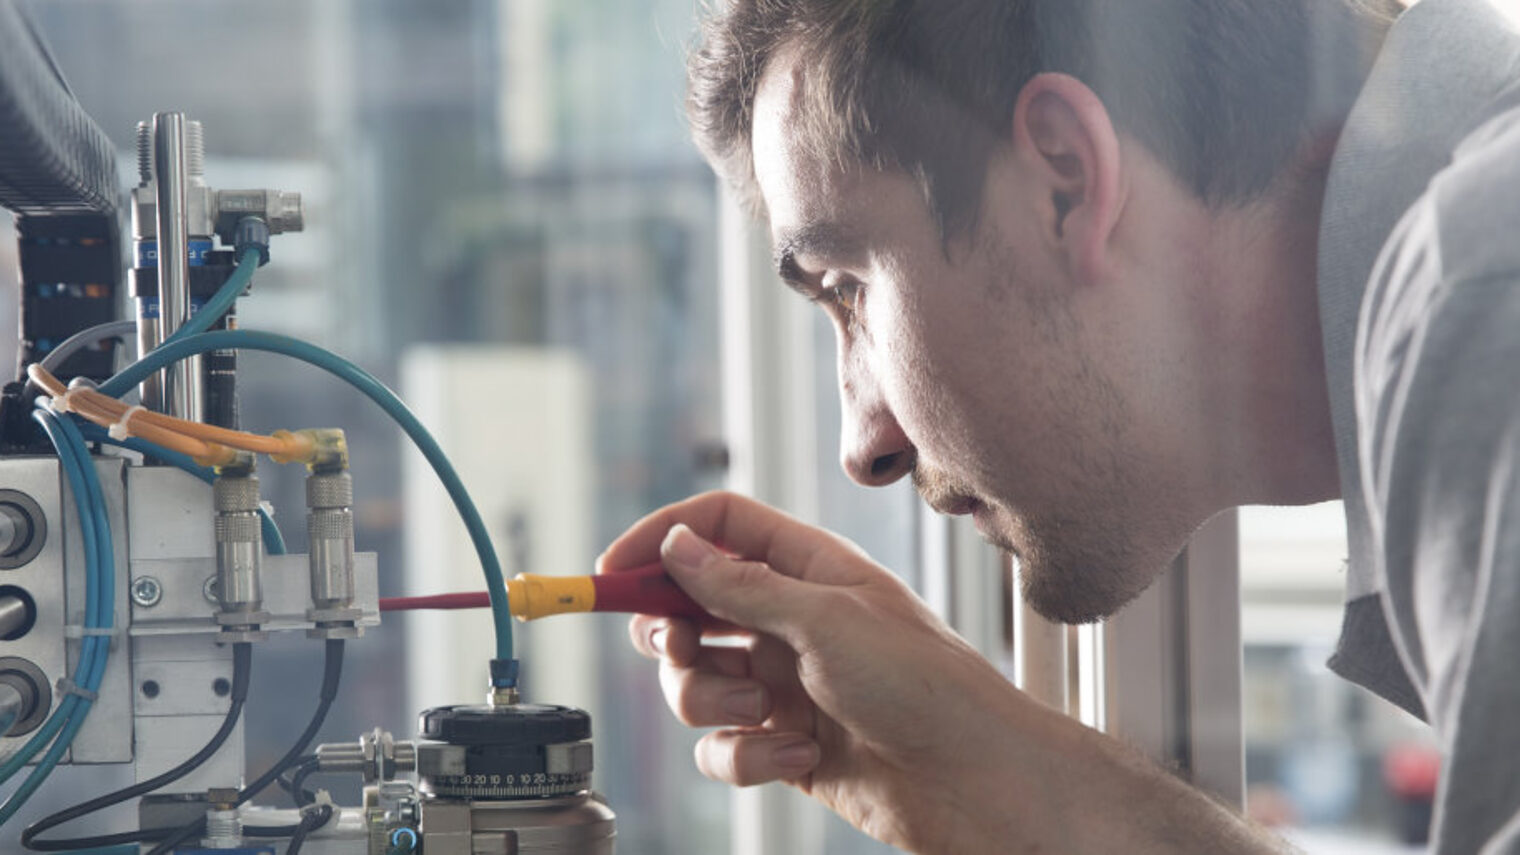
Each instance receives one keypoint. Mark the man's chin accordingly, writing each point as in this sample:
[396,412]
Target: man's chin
[1063,608]
[1074,590]
[1069,573]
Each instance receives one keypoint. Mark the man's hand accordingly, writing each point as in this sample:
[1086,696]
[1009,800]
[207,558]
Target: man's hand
[844,685]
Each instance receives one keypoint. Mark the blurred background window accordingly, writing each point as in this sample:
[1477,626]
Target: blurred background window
[1330,765]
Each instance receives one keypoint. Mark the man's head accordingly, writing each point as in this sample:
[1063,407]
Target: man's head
[1012,209]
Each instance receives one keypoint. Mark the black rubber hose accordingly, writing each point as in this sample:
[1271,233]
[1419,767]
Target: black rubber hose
[242,666]
[332,672]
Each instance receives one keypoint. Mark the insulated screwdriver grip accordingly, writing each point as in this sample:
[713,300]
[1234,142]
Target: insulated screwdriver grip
[645,590]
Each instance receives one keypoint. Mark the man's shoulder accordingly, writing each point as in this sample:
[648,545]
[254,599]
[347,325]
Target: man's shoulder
[1476,199]
[1465,228]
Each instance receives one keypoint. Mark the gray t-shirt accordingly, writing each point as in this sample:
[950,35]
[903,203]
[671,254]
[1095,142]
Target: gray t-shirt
[1420,302]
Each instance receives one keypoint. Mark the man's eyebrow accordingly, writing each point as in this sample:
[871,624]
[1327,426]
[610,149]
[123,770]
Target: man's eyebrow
[828,240]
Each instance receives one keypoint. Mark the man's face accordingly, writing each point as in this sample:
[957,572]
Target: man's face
[976,368]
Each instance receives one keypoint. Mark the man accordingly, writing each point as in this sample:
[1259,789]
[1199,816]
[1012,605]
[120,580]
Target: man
[1098,270]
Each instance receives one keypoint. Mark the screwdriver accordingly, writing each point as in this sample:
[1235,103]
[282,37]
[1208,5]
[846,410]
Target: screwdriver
[646,590]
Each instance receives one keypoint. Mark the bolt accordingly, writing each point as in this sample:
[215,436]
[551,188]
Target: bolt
[146,591]
[211,590]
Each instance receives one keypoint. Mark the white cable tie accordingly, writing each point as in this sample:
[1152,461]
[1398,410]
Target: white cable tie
[66,686]
[122,428]
[60,403]
[74,631]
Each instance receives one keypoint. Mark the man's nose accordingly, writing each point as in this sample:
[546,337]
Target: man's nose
[873,449]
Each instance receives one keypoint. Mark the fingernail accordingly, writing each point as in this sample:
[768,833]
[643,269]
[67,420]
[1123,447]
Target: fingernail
[743,705]
[796,755]
[684,547]
[657,639]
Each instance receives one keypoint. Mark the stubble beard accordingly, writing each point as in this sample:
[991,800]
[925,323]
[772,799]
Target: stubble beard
[1070,570]
[1083,558]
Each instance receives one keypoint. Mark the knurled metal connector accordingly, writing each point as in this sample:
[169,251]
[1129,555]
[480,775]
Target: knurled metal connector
[330,535]
[239,554]
[328,490]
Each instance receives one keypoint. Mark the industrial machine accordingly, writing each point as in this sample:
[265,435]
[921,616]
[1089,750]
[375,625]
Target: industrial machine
[140,570]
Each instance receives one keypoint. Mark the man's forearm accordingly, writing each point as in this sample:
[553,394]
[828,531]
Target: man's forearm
[1058,786]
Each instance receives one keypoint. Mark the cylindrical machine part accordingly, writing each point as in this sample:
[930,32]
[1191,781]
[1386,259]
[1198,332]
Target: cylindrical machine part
[182,385]
[14,615]
[377,756]
[27,680]
[13,708]
[23,528]
[330,525]
[510,781]
[14,531]
[224,829]
[569,825]
[239,546]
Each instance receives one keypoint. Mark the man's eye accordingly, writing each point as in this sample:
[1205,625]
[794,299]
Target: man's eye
[843,293]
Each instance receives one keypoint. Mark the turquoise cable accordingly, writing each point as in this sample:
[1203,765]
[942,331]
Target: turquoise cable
[55,722]
[95,532]
[274,542]
[222,300]
[75,477]
[376,391]
[99,608]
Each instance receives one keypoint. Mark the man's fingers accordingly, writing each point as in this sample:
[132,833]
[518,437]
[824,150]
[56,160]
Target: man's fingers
[703,698]
[745,528]
[746,757]
[665,638]
[747,593]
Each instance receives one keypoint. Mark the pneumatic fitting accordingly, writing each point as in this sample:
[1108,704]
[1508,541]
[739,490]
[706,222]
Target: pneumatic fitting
[239,553]
[330,528]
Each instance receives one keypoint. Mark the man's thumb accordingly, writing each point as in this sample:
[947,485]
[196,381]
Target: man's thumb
[747,593]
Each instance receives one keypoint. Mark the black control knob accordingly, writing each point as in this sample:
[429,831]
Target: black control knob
[522,751]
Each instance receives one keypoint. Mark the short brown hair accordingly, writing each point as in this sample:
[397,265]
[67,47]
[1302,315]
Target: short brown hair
[1222,91]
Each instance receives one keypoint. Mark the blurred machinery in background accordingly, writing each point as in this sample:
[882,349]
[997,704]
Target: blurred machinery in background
[139,568]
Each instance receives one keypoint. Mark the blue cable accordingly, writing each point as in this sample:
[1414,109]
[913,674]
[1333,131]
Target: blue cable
[222,300]
[55,722]
[103,617]
[171,352]
[100,595]
[274,542]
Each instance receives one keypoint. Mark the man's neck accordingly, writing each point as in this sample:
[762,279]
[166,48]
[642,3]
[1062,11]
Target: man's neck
[1277,444]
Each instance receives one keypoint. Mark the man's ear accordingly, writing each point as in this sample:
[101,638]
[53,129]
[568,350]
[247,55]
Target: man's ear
[1063,133]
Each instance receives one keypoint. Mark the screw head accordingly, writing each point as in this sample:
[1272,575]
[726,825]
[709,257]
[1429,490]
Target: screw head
[210,590]
[146,591]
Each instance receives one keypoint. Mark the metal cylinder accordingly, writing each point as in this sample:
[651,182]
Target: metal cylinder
[13,531]
[330,525]
[239,545]
[224,829]
[182,385]
[12,708]
[13,615]
[569,825]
